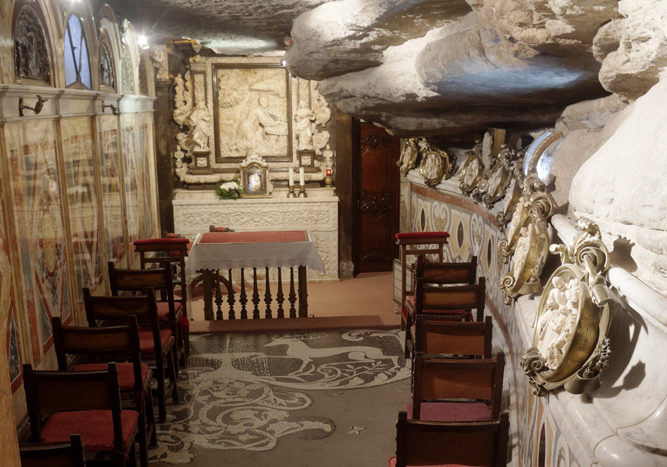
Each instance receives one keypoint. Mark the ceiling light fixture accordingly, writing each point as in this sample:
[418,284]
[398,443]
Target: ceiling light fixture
[142,41]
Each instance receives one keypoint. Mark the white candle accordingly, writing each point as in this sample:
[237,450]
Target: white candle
[291,176]
[301,181]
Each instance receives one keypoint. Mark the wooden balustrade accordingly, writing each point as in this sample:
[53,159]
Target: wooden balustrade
[289,300]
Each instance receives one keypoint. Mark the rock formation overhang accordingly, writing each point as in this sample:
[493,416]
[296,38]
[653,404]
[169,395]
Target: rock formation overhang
[452,67]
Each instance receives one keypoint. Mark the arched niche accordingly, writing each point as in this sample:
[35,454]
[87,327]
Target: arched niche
[106,63]
[33,63]
[108,52]
[78,73]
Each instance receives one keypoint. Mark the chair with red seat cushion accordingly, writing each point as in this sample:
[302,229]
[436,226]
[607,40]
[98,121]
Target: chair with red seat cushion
[86,402]
[453,338]
[456,389]
[437,299]
[414,244]
[94,347]
[53,454]
[136,281]
[169,253]
[440,444]
[154,342]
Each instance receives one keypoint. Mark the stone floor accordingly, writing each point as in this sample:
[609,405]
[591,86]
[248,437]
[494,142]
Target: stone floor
[323,398]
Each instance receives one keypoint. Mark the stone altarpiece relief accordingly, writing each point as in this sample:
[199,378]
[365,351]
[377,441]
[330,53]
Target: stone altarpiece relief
[228,110]
[252,113]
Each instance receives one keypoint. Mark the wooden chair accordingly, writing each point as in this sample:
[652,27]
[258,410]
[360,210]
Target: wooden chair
[169,253]
[86,402]
[468,338]
[169,312]
[436,444]
[438,300]
[154,342]
[95,347]
[456,389]
[413,244]
[53,454]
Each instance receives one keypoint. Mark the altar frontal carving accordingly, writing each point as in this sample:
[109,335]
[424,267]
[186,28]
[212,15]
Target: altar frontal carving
[570,343]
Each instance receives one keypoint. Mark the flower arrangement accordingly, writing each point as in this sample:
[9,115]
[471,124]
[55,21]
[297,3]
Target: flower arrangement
[229,190]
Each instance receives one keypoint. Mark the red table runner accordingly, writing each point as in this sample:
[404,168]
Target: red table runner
[255,237]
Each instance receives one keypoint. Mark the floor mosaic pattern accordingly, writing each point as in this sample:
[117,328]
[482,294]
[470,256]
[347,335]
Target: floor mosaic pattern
[246,391]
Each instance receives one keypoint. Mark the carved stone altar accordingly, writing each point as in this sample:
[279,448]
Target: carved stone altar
[195,211]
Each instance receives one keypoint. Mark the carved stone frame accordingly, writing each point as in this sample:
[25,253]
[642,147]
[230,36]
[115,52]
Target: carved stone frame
[287,157]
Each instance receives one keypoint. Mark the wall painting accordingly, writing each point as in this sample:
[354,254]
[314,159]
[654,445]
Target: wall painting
[133,179]
[39,223]
[8,328]
[82,199]
[111,195]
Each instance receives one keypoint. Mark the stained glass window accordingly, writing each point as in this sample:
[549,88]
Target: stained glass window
[77,66]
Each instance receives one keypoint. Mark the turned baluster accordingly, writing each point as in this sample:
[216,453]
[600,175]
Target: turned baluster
[292,294]
[303,292]
[217,283]
[255,295]
[267,296]
[280,297]
[230,297]
[243,299]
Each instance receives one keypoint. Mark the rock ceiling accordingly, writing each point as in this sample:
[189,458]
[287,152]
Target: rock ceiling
[451,67]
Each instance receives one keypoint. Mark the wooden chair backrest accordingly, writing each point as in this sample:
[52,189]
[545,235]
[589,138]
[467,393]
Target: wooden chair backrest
[454,297]
[472,338]
[432,272]
[437,379]
[99,344]
[112,310]
[53,454]
[415,244]
[438,443]
[137,280]
[56,391]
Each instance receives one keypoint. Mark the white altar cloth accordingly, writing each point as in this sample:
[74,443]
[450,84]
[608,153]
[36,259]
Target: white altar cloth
[233,250]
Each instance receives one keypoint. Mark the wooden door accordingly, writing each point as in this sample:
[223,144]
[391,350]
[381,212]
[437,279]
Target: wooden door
[377,199]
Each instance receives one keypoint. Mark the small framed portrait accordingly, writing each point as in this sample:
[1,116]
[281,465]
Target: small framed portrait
[255,178]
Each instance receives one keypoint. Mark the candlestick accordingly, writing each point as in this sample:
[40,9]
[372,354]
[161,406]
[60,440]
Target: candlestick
[291,177]
[290,192]
[301,180]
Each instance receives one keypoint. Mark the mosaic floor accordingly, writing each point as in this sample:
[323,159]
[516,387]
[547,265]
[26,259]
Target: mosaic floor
[243,395]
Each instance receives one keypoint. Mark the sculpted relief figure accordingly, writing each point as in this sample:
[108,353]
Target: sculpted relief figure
[260,131]
[201,127]
[303,125]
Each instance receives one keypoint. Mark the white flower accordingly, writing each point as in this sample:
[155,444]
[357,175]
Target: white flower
[230,186]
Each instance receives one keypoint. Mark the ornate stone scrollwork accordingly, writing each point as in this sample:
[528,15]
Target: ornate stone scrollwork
[435,164]
[527,242]
[472,170]
[499,177]
[409,155]
[570,344]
